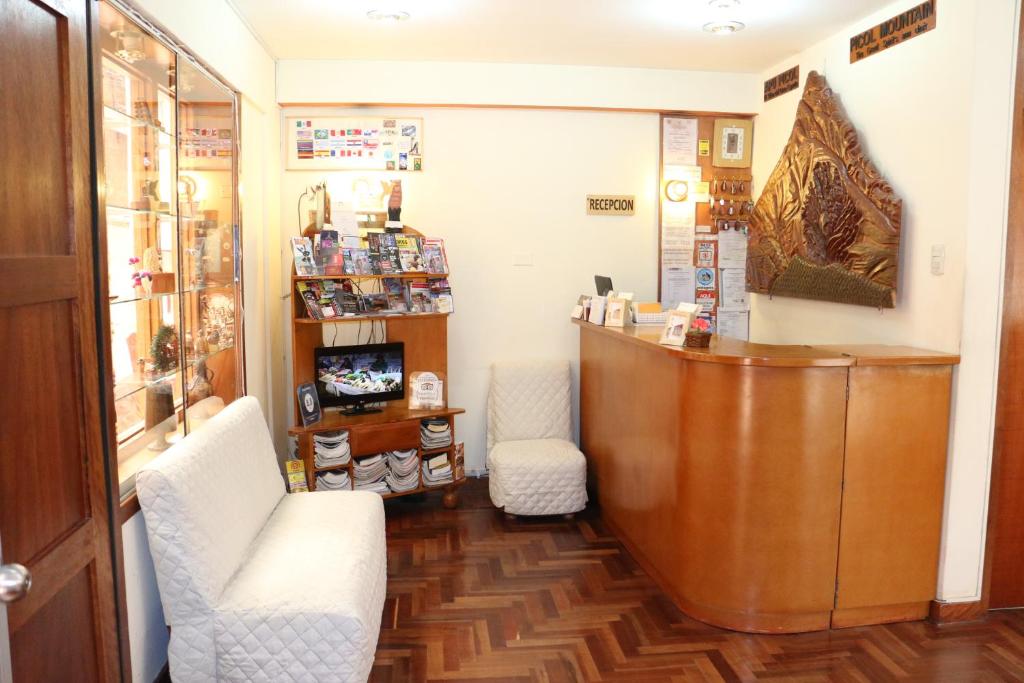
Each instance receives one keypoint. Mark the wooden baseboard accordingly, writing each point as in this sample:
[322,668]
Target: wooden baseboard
[941,612]
[879,614]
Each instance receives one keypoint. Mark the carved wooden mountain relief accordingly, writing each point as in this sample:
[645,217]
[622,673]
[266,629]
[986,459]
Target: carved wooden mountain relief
[827,225]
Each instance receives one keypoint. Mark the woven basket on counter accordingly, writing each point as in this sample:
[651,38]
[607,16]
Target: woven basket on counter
[698,340]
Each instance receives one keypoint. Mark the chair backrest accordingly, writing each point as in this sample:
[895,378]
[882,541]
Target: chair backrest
[529,400]
[204,500]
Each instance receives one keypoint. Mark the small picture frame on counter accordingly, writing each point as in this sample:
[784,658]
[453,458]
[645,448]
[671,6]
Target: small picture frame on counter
[309,404]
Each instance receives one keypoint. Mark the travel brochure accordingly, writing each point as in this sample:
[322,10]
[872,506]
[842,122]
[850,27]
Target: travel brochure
[384,254]
[326,299]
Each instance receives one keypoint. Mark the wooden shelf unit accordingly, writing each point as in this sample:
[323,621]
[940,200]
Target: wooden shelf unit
[425,338]
[392,429]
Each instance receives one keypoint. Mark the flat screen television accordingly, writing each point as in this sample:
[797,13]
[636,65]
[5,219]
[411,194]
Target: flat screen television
[353,376]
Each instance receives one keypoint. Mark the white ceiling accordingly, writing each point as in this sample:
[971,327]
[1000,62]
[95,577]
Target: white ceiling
[663,34]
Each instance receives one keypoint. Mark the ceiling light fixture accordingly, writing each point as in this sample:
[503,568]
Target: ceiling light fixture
[387,15]
[723,4]
[723,28]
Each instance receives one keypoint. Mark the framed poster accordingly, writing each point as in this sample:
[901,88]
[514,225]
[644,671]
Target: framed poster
[733,143]
[353,143]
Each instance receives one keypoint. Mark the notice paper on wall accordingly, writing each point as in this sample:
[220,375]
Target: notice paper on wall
[678,221]
[679,215]
[680,142]
[678,285]
[732,249]
[733,290]
[677,244]
[735,324]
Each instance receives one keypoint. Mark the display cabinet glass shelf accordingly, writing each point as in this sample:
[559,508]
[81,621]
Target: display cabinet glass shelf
[170,187]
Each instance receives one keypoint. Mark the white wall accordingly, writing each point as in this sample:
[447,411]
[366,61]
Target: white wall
[524,194]
[499,182]
[934,115]
[358,82]
[212,31]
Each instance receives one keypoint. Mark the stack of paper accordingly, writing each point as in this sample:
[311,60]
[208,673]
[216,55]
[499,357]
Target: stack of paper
[337,480]
[403,471]
[437,471]
[370,472]
[435,432]
[330,449]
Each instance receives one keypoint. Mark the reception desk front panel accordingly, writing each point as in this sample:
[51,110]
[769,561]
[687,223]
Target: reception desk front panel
[723,471]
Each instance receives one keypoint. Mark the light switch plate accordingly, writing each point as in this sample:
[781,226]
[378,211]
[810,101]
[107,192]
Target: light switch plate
[523,259]
[938,259]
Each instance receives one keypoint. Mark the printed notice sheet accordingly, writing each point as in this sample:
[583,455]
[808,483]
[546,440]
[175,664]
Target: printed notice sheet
[732,249]
[680,142]
[733,288]
[735,324]
[678,285]
[677,236]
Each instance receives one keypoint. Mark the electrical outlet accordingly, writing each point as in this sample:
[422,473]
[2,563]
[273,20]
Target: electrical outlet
[938,259]
[523,259]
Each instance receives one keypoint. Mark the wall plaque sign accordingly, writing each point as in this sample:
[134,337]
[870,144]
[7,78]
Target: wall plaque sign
[782,83]
[827,225]
[900,28]
[611,204]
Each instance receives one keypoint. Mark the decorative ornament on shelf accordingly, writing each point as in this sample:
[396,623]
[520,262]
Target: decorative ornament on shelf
[161,417]
[142,280]
[827,225]
[163,351]
[201,384]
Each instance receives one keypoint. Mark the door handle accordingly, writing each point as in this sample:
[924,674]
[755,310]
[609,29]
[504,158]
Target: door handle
[15,582]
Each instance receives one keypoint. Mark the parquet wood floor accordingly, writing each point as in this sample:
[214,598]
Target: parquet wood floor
[475,598]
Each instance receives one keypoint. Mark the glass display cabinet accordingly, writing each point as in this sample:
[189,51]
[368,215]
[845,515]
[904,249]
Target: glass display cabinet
[170,183]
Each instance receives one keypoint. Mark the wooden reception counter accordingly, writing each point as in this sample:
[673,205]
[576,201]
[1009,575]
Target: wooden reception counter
[771,488]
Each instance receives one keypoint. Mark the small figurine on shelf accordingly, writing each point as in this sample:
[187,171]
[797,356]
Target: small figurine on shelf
[213,340]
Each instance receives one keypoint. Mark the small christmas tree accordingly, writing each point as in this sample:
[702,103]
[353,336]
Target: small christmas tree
[164,350]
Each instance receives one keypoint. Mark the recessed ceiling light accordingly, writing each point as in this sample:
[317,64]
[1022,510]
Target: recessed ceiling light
[388,15]
[723,28]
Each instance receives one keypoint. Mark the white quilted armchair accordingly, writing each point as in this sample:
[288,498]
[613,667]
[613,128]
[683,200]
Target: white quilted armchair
[256,584]
[534,467]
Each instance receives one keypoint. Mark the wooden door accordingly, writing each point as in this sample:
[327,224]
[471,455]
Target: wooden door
[1004,583]
[55,510]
